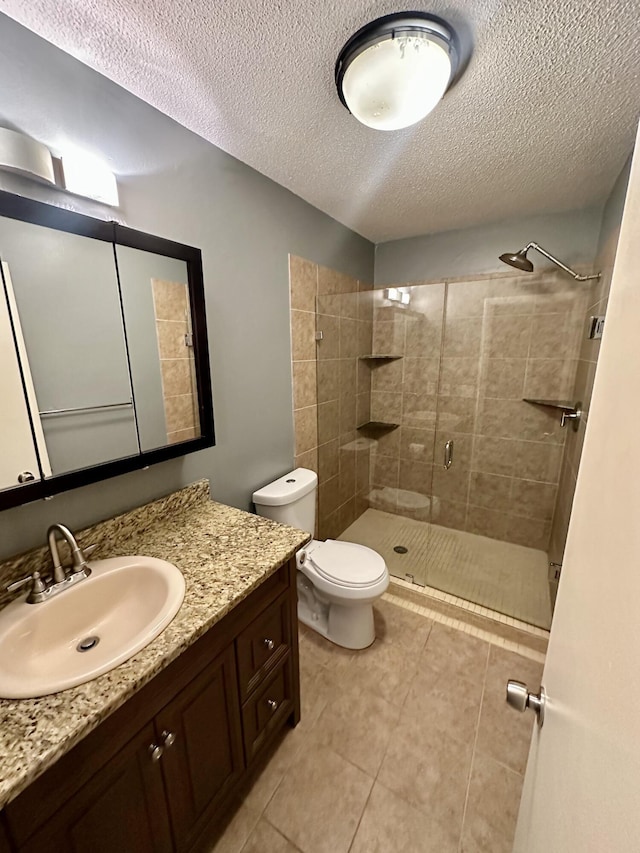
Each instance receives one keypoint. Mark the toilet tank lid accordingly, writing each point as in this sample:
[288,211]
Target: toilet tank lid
[286,489]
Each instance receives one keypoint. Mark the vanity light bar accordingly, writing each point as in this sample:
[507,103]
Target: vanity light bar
[76,171]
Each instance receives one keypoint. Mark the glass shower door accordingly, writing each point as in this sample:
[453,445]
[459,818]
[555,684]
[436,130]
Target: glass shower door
[506,340]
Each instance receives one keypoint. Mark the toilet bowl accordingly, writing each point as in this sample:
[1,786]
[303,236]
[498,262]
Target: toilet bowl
[338,582]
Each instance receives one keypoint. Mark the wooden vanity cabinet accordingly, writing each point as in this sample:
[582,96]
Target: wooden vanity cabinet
[4,841]
[160,773]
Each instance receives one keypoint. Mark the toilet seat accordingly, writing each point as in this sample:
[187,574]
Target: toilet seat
[347,564]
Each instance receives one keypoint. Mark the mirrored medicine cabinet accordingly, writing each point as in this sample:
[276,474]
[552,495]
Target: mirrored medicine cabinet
[104,364]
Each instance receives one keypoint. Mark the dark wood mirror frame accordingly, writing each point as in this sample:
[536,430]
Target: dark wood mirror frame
[25,209]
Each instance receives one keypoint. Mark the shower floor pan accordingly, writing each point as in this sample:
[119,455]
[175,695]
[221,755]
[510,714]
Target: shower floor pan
[508,578]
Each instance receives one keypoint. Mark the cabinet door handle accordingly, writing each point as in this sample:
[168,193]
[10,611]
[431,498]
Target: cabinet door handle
[269,644]
[28,477]
[155,752]
[168,738]
[273,705]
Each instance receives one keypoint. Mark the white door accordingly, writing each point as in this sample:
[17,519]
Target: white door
[582,786]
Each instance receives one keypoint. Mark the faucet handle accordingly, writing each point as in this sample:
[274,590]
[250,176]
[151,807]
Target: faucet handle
[38,584]
[79,560]
[87,550]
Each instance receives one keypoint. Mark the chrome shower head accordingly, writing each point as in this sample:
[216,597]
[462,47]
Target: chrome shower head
[519,260]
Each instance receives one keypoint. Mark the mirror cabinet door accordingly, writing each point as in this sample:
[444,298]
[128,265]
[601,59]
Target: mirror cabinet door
[104,363]
[66,292]
[157,315]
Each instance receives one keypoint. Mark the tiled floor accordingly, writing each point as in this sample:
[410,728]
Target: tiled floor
[406,747]
[499,575]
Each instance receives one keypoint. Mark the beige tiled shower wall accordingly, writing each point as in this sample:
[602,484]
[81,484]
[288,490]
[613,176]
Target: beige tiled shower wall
[505,338]
[330,387]
[598,296]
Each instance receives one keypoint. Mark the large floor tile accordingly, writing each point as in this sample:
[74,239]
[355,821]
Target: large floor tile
[457,653]
[315,650]
[390,825]
[492,807]
[430,770]
[273,772]
[237,830]
[383,669]
[317,688]
[442,700]
[320,801]
[503,734]
[401,627]
[266,839]
[358,726]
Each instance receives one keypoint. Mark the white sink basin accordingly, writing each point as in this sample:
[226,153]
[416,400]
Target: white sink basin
[125,603]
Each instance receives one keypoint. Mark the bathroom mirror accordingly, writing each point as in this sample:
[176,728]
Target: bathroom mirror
[103,350]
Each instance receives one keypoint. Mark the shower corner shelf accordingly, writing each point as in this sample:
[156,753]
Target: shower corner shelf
[377,427]
[378,357]
[551,404]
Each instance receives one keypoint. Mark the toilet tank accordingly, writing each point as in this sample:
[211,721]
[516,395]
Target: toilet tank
[291,499]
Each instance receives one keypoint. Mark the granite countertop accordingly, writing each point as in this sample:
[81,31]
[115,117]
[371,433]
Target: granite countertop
[223,553]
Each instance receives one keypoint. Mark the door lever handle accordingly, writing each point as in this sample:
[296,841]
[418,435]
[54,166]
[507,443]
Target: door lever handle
[519,698]
[448,454]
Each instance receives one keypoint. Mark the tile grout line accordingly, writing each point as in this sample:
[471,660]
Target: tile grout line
[363,811]
[473,752]
[384,755]
[279,831]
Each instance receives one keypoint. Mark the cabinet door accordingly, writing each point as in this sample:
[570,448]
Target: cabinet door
[205,759]
[122,808]
[4,840]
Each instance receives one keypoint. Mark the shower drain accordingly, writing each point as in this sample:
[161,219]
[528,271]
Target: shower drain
[400,549]
[87,644]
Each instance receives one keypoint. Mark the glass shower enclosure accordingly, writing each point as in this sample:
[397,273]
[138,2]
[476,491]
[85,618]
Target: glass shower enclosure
[425,427]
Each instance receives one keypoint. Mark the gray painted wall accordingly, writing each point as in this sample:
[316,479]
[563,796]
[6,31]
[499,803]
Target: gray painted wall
[613,209]
[572,236]
[174,184]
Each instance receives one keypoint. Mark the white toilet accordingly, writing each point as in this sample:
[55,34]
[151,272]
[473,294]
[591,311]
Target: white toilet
[337,581]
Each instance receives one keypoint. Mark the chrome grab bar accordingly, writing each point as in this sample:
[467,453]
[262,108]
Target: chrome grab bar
[50,412]
[448,454]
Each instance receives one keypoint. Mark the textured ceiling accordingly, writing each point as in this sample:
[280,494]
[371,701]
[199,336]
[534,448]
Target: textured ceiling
[542,119]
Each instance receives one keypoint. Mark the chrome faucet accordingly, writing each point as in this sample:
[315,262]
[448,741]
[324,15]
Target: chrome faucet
[78,561]
[42,589]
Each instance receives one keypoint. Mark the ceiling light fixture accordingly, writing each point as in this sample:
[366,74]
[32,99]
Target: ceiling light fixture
[395,70]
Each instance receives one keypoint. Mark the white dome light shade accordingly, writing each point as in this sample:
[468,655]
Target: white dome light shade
[392,73]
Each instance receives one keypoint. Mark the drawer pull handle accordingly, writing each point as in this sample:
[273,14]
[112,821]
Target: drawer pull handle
[155,752]
[269,644]
[168,738]
[273,705]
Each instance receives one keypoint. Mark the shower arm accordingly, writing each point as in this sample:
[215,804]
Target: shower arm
[558,263]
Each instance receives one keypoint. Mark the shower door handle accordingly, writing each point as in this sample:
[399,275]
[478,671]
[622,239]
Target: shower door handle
[448,454]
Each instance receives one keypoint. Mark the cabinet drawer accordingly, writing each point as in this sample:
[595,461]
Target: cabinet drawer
[262,646]
[267,709]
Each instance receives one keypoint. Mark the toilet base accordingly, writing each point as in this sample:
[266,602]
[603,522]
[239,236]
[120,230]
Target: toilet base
[350,627]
